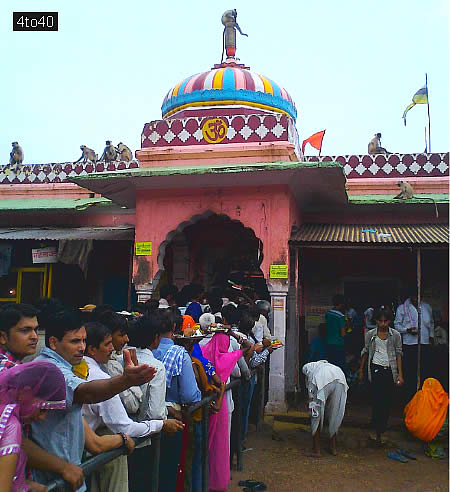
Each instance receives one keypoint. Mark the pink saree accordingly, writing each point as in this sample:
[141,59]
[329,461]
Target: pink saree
[216,351]
[24,389]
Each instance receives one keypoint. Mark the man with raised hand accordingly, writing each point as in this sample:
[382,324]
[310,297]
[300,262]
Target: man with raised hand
[63,433]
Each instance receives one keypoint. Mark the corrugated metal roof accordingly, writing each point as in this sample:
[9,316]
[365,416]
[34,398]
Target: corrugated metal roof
[56,233]
[356,233]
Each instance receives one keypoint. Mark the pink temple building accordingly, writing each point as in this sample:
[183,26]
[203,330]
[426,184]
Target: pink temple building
[220,185]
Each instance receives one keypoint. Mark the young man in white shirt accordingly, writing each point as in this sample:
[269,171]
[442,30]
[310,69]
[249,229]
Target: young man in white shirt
[406,322]
[145,336]
[111,413]
[118,325]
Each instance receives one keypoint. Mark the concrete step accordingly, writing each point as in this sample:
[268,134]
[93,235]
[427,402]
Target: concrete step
[350,419]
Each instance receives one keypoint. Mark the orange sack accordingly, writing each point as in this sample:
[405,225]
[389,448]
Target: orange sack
[425,413]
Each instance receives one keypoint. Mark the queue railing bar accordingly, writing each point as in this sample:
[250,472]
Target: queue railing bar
[95,462]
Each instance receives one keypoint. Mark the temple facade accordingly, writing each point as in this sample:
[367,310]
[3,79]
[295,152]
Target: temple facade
[219,185]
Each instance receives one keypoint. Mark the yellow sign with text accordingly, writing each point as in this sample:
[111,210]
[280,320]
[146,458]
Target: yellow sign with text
[143,248]
[278,271]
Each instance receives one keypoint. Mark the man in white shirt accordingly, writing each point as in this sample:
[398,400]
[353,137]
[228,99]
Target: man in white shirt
[406,322]
[111,413]
[146,337]
[118,326]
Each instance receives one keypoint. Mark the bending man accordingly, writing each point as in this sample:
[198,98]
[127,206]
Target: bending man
[327,389]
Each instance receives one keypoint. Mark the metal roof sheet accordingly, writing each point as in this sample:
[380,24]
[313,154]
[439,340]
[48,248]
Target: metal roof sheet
[370,233]
[56,233]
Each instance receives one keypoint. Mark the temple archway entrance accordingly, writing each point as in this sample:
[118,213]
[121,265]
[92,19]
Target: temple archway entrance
[212,249]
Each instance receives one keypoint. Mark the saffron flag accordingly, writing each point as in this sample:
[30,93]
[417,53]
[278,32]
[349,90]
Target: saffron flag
[420,97]
[314,140]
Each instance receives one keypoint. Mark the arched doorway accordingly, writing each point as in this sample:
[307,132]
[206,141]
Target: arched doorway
[211,249]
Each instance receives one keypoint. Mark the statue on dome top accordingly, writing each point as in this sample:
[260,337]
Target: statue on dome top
[229,33]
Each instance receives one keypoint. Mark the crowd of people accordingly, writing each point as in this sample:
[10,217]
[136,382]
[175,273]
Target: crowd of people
[104,379]
[383,351]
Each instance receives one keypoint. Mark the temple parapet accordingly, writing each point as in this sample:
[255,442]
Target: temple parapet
[390,165]
[57,172]
[355,166]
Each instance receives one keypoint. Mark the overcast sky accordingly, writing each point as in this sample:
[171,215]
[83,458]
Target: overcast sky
[351,67]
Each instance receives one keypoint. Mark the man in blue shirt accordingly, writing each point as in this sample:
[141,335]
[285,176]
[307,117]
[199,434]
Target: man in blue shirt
[336,330]
[62,433]
[182,389]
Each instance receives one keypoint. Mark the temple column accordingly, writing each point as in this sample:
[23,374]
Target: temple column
[277,383]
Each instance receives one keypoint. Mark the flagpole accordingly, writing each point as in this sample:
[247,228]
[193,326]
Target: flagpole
[321,143]
[426,146]
[428,107]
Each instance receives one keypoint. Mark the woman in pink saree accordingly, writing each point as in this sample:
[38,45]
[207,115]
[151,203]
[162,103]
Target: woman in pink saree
[27,391]
[216,351]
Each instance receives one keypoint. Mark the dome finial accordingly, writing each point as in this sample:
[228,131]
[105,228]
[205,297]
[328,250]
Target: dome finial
[229,33]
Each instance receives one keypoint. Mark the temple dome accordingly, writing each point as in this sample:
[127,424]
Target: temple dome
[228,85]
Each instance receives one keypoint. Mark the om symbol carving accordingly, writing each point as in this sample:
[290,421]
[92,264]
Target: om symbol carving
[214,130]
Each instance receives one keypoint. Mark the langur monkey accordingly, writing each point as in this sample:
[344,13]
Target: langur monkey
[229,20]
[375,147]
[16,155]
[87,154]
[406,190]
[110,152]
[124,152]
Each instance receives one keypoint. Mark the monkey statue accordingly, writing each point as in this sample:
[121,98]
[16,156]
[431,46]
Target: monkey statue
[406,190]
[110,152]
[87,154]
[124,152]
[375,147]
[16,155]
[229,33]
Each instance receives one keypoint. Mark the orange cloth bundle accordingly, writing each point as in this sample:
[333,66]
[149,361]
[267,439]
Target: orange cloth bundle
[425,413]
[188,322]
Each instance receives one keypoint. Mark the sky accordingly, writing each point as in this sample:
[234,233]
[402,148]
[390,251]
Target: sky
[351,67]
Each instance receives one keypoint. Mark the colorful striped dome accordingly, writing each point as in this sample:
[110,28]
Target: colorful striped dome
[227,86]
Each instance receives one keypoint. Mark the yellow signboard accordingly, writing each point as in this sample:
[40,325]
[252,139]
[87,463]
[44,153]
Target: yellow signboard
[143,248]
[278,271]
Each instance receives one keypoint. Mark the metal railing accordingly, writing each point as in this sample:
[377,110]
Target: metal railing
[95,462]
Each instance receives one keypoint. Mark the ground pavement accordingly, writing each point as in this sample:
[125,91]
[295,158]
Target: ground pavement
[278,458]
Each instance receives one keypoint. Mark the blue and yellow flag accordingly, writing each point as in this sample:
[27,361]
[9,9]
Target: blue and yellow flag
[420,97]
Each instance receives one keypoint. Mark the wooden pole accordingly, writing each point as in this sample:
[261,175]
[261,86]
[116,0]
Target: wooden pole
[419,316]
[428,108]
[297,312]
[130,276]
[321,143]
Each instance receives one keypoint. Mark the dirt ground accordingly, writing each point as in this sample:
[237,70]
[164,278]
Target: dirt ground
[279,460]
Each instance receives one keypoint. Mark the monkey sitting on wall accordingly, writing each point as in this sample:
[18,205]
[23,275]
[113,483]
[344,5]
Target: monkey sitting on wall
[110,152]
[87,154]
[16,155]
[406,191]
[124,152]
[375,147]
